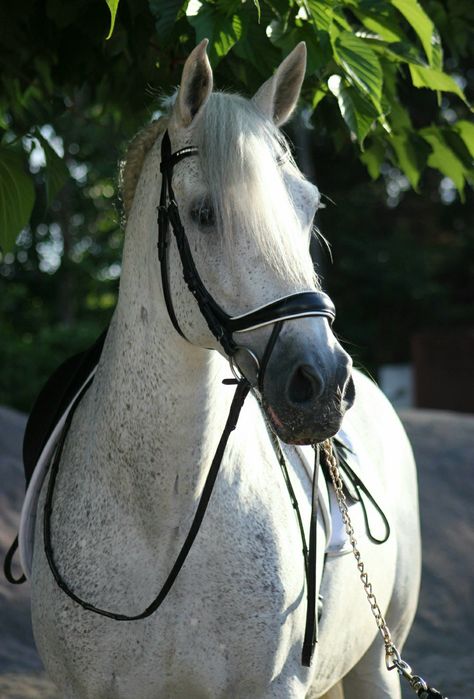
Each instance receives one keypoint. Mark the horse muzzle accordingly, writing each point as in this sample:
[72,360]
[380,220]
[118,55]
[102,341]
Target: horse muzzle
[306,393]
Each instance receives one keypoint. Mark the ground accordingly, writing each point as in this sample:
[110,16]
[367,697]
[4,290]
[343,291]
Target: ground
[440,645]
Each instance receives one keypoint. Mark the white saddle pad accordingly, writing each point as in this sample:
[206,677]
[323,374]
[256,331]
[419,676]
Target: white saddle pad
[337,541]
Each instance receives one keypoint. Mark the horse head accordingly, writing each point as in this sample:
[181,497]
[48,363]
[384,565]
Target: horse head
[244,214]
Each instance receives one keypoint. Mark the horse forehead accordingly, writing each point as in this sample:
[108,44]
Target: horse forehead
[187,177]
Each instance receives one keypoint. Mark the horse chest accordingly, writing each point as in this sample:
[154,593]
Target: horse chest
[238,601]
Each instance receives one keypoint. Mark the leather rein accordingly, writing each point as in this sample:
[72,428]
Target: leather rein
[223,327]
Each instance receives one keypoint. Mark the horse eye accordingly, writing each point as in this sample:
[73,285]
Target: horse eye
[203,215]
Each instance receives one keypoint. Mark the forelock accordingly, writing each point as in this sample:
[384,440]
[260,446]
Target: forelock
[240,152]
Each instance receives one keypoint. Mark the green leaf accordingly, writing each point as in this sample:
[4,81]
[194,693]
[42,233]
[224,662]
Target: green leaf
[318,44]
[259,11]
[399,117]
[397,51]
[443,159]
[226,35]
[17,196]
[3,120]
[318,96]
[358,113]
[411,156]
[165,14]
[373,158]
[56,172]
[379,18]
[223,31]
[360,65]
[423,76]
[321,13]
[112,5]
[436,51]
[421,24]
[466,130]
[256,50]
[454,141]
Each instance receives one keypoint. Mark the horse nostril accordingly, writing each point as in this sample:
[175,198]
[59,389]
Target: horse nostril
[305,385]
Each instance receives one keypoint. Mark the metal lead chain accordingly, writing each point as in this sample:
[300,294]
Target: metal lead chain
[393,659]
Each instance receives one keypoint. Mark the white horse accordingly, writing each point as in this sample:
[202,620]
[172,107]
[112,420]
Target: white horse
[143,436]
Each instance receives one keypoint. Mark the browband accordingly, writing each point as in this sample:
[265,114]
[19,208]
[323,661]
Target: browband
[170,161]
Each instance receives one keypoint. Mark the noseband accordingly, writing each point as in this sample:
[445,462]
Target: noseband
[223,327]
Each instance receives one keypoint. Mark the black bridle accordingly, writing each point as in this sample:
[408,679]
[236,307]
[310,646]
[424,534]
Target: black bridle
[223,327]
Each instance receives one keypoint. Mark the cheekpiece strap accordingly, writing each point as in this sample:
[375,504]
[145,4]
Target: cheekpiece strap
[163,229]
[168,213]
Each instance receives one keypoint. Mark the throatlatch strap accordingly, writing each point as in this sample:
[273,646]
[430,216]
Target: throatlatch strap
[311,628]
[237,402]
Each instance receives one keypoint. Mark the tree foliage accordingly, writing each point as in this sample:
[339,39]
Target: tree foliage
[70,100]
[364,55]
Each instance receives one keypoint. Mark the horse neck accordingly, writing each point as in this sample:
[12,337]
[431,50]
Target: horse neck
[161,403]
[160,413]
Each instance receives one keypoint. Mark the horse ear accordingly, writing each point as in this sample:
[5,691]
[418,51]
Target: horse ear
[278,96]
[196,85]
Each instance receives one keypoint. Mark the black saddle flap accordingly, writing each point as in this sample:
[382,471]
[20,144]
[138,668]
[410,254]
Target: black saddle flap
[53,400]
